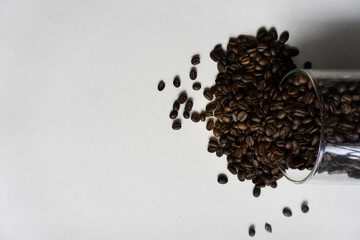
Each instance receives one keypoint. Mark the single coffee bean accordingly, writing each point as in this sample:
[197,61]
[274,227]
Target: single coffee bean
[177,82]
[251,231]
[161,85]
[307,65]
[304,207]
[222,179]
[176,105]
[189,105]
[186,115]
[196,86]
[268,228]
[173,114]
[287,212]
[195,60]
[182,98]
[208,94]
[176,124]
[210,125]
[256,192]
[195,117]
[202,116]
[232,169]
[284,36]
[193,74]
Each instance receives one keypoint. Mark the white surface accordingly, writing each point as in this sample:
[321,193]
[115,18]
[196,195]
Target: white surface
[86,146]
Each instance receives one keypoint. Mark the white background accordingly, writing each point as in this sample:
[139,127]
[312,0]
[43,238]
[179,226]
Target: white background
[86,145]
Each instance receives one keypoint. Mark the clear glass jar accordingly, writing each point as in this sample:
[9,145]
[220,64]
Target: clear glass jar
[338,95]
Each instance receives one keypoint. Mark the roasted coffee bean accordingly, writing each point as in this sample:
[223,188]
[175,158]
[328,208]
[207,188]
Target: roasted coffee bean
[202,116]
[196,86]
[222,179]
[182,98]
[195,60]
[251,231]
[186,115]
[189,105]
[176,125]
[195,116]
[176,105]
[307,65]
[304,207]
[161,85]
[177,82]
[210,125]
[268,228]
[284,36]
[193,74]
[287,212]
[208,94]
[173,114]
[256,192]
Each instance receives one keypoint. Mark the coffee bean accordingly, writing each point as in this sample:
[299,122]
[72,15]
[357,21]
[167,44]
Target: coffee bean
[176,125]
[177,82]
[173,114]
[186,115]
[222,179]
[195,116]
[195,60]
[287,212]
[210,125]
[193,74]
[208,94]
[182,98]
[176,105]
[196,86]
[307,65]
[284,36]
[161,85]
[268,228]
[280,114]
[189,105]
[251,231]
[256,192]
[304,207]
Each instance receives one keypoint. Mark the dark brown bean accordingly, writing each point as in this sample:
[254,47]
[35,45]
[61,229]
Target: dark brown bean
[176,105]
[195,60]
[195,116]
[182,98]
[304,207]
[268,228]
[193,74]
[176,125]
[186,115]
[284,36]
[256,192]
[173,114]
[161,85]
[252,230]
[222,179]
[208,94]
[210,125]
[287,212]
[177,81]
[196,86]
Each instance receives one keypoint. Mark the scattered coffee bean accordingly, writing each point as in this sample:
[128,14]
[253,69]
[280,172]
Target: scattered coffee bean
[182,98]
[307,65]
[222,179]
[252,231]
[193,74]
[208,94]
[161,85]
[256,192]
[268,228]
[196,86]
[195,116]
[176,124]
[195,60]
[173,114]
[189,105]
[186,114]
[287,212]
[176,105]
[304,207]
[177,81]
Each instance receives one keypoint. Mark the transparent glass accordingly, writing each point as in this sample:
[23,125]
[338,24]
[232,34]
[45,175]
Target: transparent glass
[338,158]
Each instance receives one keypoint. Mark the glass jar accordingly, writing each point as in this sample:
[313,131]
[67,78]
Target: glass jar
[338,154]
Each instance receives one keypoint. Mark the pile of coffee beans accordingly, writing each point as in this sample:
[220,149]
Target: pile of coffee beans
[260,124]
